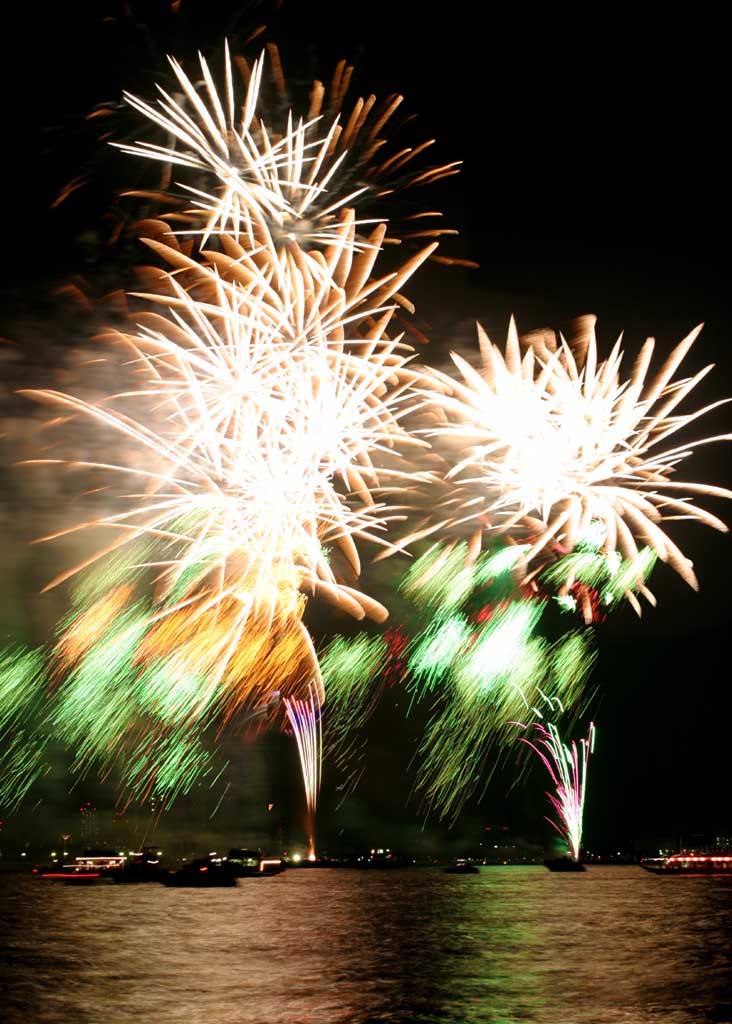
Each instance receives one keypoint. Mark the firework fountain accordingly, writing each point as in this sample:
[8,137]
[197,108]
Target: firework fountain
[567,768]
[304,718]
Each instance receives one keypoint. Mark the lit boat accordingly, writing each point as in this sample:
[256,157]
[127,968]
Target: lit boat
[461,867]
[252,864]
[383,859]
[92,867]
[692,864]
[143,866]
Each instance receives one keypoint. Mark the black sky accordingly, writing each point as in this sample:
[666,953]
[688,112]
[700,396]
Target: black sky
[595,180]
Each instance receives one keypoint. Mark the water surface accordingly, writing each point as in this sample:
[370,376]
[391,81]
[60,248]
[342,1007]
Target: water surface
[507,946]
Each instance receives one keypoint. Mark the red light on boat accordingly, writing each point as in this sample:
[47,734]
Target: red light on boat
[78,874]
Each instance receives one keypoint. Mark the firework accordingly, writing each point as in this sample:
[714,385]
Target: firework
[23,686]
[135,694]
[259,436]
[150,723]
[593,580]
[256,176]
[504,671]
[477,657]
[437,648]
[474,654]
[371,163]
[295,175]
[305,720]
[567,767]
[553,440]
[252,433]
[263,439]
[351,669]
[132,705]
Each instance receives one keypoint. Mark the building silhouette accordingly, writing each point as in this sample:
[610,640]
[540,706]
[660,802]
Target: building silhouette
[89,830]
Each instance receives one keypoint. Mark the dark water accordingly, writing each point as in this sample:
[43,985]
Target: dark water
[508,946]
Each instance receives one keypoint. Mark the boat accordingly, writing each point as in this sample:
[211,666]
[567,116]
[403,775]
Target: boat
[252,864]
[382,859]
[94,866]
[201,874]
[563,864]
[461,867]
[691,864]
[141,867]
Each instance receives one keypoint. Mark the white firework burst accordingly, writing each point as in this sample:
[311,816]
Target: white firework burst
[552,440]
[283,179]
[258,431]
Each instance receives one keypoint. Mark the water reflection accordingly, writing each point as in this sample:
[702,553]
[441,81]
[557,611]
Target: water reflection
[508,946]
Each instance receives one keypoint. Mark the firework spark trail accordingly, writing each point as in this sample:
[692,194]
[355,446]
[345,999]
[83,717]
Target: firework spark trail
[567,767]
[447,576]
[305,719]
[479,699]
[556,441]
[350,669]
[436,649]
[594,580]
[132,695]
[132,692]
[481,661]
[23,686]
[151,723]
[132,704]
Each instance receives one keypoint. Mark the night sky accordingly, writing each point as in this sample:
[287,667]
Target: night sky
[594,181]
